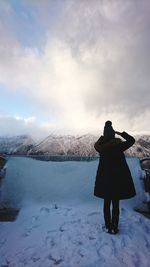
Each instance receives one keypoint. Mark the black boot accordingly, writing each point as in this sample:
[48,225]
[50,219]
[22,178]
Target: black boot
[115,229]
[108,227]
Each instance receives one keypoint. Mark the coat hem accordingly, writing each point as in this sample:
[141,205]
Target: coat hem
[117,198]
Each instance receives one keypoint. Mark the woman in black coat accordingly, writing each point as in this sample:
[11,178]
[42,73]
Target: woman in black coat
[113,179]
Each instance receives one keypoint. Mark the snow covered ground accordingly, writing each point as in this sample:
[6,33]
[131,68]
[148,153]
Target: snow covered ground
[60,221]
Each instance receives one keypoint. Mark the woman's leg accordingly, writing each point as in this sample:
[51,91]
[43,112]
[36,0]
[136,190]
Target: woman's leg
[115,214]
[107,214]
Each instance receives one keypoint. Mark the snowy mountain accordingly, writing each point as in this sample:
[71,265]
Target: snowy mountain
[80,145]
[66,145]
[141,148]
[83,146]
[16,144]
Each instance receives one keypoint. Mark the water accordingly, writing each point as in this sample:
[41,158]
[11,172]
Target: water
[59,158]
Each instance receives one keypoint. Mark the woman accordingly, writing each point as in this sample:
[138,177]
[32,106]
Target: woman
[113,179]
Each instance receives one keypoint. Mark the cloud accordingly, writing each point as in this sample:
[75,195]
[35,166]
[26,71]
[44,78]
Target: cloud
[93,65]
[12,126]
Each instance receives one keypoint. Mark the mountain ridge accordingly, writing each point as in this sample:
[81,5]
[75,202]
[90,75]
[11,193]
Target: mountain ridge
[68,145]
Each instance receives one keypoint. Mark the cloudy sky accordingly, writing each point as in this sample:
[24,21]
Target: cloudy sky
[66,66]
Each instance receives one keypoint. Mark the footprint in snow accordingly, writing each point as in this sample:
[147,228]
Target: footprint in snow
[55,261]
[44,211]
[2,242]
[49,242]
[34,219]
[93,213]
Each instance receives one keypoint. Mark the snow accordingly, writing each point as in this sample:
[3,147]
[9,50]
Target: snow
[67,145]
[15,144]
[60,221]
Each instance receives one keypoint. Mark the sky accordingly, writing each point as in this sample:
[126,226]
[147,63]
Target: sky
[67,66]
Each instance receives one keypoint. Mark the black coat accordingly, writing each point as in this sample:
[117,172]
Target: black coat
[113,179]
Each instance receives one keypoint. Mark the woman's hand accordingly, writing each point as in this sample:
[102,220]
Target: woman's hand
[119,133]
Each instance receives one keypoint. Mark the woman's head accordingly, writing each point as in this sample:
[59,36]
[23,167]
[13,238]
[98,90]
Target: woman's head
[109,132]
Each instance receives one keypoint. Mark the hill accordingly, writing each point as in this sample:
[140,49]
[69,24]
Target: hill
[68,145]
